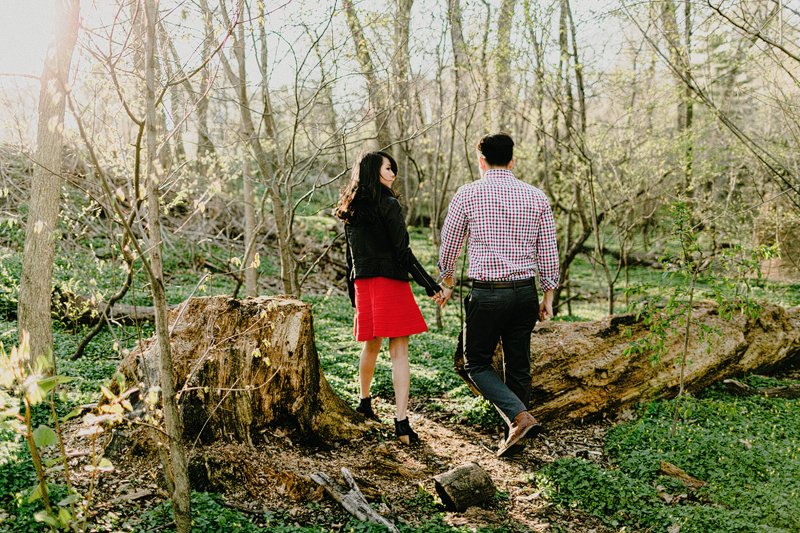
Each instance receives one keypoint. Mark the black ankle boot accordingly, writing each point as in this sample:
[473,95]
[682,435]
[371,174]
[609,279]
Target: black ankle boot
[405,434]
[365,408]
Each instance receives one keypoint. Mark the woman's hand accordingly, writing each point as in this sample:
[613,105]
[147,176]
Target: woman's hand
[442,296]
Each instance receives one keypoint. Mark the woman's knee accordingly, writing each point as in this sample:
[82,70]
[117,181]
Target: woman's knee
[373,346]
[398,347]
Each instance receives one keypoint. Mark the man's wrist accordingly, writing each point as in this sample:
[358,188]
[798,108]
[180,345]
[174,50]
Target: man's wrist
[447,282]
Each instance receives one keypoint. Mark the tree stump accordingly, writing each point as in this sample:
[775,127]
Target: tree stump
[243,366]
[581,370]
[464,486]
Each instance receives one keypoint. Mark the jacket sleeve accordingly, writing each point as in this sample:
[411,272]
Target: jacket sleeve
[348,254]
[398,237]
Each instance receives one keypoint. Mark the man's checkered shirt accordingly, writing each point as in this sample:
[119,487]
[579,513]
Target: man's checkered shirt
[509,229]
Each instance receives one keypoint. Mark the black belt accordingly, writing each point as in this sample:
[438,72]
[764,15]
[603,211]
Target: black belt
[510,284]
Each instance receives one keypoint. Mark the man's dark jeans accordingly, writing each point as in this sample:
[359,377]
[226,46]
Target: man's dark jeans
[508,315]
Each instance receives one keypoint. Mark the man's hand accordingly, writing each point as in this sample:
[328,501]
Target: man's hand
[447,285]
[546,307]
[443,296]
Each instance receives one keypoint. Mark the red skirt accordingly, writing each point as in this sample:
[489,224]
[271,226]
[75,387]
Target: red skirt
[386,307]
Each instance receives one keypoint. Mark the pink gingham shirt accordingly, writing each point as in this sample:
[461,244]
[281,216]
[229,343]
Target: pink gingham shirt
[509,228]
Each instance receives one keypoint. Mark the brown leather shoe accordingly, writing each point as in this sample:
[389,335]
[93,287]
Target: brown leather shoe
[523,424]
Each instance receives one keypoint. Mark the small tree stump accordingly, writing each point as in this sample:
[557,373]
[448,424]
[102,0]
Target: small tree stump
[464,486]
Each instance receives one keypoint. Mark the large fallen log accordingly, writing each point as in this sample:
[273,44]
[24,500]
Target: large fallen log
[243,367]
[75,310]
[581,370]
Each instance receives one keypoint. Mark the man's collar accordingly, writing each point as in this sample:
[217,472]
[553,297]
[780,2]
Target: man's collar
[498,173]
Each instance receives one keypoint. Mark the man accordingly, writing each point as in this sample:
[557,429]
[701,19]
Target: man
[511,236]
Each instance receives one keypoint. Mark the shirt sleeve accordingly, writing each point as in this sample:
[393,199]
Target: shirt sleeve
[454,231]
[547,249]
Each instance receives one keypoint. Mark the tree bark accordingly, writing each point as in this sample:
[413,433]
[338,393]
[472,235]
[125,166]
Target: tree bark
[205,147]
[178,465]
[503,85]
[353,500]
[250,230]
[245,366]
[36,280]
[402,102]
[377,100]
[464,486]
[680,57]
[586,370]
[267,159]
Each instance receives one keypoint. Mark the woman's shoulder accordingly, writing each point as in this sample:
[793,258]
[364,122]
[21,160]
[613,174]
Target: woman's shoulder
[389,201]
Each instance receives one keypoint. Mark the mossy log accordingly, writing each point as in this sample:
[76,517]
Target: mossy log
[243,367]
[585,370]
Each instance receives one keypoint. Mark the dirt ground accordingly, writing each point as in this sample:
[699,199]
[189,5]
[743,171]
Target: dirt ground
[396,479]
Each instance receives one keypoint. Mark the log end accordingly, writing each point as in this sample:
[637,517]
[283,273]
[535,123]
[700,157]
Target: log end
[464,486]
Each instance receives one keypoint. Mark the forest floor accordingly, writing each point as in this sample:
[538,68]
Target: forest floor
[268,486]
[273,479]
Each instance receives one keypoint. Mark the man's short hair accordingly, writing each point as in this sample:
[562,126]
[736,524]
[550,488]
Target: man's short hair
[497,149]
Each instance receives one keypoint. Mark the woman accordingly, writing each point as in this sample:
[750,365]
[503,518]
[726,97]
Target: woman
[379,260]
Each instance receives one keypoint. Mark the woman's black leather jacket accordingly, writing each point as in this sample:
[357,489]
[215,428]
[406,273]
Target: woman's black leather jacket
[380,247]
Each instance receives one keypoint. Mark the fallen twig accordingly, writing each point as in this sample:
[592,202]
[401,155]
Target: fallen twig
[742,389]
[352,500]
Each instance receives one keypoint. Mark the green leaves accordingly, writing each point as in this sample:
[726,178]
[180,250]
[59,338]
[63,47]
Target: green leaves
[103,466]
[747,450]
[36,493]
[38,386]
[44,436]
[60,520]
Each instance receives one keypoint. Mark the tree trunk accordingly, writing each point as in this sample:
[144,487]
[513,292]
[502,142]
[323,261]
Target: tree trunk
[460,51]
[176,110]
[205,147]
[542,153]
[377,99]
[585,370]
[250,269]
[402,103]
[243,366]
[172,417]
[36,280]
[680,57]
[267,158]
[503,101]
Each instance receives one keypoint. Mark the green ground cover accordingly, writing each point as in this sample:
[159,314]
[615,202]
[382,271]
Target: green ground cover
[745,449]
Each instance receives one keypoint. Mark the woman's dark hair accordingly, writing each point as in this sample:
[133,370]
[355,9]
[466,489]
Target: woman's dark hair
[497,149]
[361,196]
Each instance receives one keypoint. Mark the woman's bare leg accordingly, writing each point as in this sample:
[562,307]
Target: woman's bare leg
[366,364]
[401,374]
